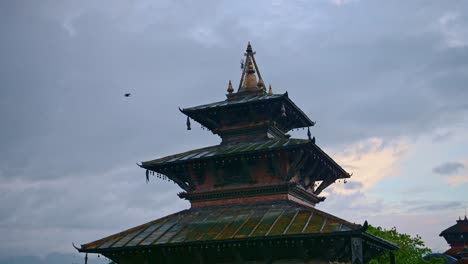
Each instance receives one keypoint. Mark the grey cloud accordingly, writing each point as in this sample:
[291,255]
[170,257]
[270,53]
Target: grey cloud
[66,126]
[448,168]
[430,206]
[441,137]
[353,185]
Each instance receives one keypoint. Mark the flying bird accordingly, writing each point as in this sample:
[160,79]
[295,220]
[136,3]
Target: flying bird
[128,94]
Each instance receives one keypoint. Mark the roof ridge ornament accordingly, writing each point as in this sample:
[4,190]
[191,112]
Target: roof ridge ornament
[230,89]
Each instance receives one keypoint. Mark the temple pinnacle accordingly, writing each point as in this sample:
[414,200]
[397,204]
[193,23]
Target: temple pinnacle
[249,47]
[270,91]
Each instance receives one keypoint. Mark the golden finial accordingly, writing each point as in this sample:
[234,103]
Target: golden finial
[270,91]
[250,79]
[249,47]
[230,89]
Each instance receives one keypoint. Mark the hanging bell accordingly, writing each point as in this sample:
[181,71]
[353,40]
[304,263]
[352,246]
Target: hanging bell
[188,124]
[308,134]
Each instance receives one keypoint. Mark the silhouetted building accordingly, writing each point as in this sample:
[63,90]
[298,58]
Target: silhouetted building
[457,237]
[252,196]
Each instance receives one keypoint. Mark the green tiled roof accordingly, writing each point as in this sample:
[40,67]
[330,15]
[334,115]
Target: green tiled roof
[240,100]
[225,150]
[227,222]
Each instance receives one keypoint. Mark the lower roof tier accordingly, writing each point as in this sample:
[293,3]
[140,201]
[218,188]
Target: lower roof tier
[226,223]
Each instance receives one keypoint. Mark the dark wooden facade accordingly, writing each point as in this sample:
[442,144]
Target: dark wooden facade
[457,237]
[252,196]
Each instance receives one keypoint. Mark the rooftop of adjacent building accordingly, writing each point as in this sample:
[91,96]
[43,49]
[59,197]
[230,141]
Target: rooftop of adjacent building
[460,227]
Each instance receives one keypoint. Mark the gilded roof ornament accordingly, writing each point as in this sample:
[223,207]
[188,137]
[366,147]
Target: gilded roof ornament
[270,91]
[230,89]
[260,84]
[250,79]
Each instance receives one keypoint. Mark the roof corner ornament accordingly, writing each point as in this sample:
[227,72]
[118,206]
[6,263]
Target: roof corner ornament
[365,225]
[230,89]
[270,91]
[73,244]
[188,124]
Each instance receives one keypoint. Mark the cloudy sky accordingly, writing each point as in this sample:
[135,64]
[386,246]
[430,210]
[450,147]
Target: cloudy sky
[385,81]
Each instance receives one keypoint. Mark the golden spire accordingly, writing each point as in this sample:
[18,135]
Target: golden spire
[270,91]
[230,89]
[250,79]
[250,73]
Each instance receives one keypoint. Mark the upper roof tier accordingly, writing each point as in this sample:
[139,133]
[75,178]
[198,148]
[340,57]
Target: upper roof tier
[251,113]
[459,228]
[275,111]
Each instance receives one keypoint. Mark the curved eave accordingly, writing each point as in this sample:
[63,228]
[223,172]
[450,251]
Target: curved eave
[306,120]
[332,162]
[194,112]
[180,158]
[358,232]
[380,242]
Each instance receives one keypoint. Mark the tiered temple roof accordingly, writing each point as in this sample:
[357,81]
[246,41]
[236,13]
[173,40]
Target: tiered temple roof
[252,196]
[457,237]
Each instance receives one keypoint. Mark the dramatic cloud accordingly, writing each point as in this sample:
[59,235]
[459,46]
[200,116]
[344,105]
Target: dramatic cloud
[369,161]
[377,76]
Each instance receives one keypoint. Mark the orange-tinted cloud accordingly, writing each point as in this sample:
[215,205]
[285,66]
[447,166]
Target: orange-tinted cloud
[461,177]
[370,161]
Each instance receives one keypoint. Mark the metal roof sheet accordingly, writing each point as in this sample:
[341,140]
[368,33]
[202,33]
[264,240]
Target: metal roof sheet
[235,221]
[235,101]
[218,150]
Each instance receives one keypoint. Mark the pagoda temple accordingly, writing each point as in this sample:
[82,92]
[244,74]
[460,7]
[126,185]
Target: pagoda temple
[252,196]
[457,237]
